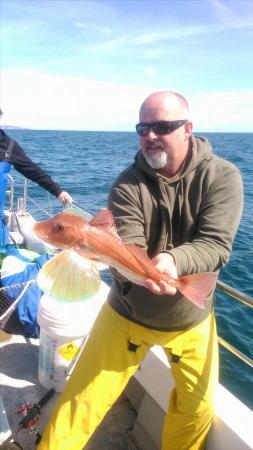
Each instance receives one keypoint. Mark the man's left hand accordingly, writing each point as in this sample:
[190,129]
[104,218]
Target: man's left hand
[165,263]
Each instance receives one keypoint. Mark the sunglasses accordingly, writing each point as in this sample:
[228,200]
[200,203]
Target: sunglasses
[161,127]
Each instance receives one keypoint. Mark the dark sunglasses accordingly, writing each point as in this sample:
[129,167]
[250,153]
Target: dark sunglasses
[161,127]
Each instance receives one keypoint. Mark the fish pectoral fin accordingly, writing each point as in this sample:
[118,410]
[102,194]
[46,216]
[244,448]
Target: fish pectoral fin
[83,251]
[142,257]
[69,277]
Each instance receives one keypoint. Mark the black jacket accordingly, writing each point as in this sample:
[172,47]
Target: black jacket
[24,165]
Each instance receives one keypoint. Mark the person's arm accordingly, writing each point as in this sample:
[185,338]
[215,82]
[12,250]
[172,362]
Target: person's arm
[211,246]
[29,169]
[218,221]
[124,203]
[127,211]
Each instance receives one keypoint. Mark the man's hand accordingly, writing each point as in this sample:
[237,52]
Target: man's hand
[164,263]
[65,198]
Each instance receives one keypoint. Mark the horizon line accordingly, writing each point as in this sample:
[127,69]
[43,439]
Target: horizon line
[16,128]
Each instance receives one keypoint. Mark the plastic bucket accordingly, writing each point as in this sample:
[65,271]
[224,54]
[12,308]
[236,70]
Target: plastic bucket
[64,328]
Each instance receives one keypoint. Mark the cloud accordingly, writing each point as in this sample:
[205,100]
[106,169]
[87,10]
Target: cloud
[150,71]
[103,30]
[222,111]
[174,33]
[40,100]
[228,18]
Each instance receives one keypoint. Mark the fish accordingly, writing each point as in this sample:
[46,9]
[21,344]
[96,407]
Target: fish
[97,240]
[68,277]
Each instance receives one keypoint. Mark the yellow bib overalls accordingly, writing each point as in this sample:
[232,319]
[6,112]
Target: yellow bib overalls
[108,361]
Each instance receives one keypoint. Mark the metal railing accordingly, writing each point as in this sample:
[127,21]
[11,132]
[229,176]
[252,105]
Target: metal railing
[11,191]
[246,300]
[225,288]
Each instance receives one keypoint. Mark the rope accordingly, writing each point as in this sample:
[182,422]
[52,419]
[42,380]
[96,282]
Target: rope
[50,204]
[39,207]
[18,285]
[7,305]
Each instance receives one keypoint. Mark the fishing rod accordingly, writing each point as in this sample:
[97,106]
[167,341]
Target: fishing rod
[89,213]
[29,421]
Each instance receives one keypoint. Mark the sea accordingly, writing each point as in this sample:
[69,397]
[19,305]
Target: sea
[85,163]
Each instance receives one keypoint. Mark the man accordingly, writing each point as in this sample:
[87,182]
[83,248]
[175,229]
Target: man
[182,205]
[11,154]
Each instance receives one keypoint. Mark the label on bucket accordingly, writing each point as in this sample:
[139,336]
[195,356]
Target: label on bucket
[57,358]
[69,351]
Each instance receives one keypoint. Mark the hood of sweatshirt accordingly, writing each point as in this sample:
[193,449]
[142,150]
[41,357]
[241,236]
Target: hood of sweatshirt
[200,149]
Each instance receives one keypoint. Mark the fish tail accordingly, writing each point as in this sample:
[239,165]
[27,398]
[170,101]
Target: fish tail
[197,286]
[68,277]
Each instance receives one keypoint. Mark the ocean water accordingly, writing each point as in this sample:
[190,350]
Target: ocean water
[86,163]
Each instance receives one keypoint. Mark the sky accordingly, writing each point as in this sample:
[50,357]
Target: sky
[88,65]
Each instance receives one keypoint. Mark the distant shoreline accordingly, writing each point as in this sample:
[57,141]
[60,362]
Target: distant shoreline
[196,132]
[10,127]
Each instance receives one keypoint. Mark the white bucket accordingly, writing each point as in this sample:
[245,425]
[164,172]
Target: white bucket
[64,328]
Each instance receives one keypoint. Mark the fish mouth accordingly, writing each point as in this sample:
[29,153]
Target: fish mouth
[44,238]
[41,235]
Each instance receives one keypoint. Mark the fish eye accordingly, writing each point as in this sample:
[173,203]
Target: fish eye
[58,227]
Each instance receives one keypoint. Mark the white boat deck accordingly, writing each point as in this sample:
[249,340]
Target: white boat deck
[134,423]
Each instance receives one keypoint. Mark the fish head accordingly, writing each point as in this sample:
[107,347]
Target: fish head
[63,230]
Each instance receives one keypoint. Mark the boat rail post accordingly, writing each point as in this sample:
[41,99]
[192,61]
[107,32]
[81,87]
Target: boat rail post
[11,192]
[25,195]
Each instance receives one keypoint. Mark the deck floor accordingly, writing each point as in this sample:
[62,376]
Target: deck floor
[19,384]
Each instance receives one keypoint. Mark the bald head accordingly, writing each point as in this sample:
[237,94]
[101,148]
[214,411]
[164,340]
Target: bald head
[164,105]
[164,146]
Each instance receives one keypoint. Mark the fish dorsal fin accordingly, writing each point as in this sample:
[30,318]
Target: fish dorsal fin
[104,220]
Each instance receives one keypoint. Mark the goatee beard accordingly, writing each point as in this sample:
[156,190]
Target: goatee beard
[156,160]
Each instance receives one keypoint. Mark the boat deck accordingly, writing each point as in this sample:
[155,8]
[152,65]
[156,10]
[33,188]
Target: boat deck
[19,384]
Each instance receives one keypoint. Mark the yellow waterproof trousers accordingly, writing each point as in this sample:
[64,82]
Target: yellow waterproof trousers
[108,361]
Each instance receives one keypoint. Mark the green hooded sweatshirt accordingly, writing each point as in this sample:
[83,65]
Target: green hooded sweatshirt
[193,216]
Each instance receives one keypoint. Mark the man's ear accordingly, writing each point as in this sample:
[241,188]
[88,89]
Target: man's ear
[188,129]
